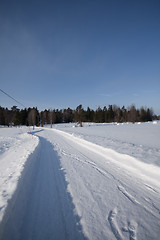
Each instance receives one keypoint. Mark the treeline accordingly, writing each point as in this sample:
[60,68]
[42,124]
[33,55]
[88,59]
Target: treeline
[113,113]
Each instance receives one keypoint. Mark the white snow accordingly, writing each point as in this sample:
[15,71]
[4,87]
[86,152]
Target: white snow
[101,181]
[15,147]
[140,140]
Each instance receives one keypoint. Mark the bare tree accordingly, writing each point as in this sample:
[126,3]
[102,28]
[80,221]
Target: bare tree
[32,117]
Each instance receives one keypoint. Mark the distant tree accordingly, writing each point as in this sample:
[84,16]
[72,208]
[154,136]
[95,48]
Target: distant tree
[54,116]
[51,117]
[2,116]
[79,114]
[142,114]
[146,114]
[117,114]
[17,118]
[132,114]
[33,117]
[124,114]
[44,117]
[8,117]
[14,116]
[99,115]
[24,116]
[89,115]
[41,119]
[68,115]
[105,112]
[59,116]
[149,114]
[110,114]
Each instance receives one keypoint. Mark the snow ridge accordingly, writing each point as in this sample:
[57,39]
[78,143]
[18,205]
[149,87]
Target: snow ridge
[144,170]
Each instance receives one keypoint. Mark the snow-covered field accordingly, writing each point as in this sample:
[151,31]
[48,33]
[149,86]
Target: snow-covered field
[101,181]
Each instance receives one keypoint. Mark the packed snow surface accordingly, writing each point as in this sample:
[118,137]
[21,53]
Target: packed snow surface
[101,181]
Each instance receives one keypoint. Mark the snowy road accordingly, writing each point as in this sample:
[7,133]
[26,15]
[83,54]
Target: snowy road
[74,189]
[41,208]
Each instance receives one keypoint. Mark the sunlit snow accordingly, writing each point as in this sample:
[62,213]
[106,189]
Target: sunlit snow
[99,181]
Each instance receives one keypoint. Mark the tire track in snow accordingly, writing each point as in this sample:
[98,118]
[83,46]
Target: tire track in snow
[82,158]
[88,162]
[143,170]
[85,189]
[108,174]
[128,195]
[115,158]
[135,201]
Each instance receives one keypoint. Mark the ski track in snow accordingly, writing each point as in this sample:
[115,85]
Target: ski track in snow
[128,195]
[74,189]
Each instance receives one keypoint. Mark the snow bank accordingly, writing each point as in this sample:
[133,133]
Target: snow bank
[138,140]
[145,171]
[15,147]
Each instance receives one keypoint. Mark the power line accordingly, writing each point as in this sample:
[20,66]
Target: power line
[12,98]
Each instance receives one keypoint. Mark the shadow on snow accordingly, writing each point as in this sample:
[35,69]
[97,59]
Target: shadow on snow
[35,131]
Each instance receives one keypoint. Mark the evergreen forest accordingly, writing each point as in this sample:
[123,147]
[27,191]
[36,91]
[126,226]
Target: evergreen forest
[32,117]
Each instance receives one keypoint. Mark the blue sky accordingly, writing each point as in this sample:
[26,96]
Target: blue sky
[59,54]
